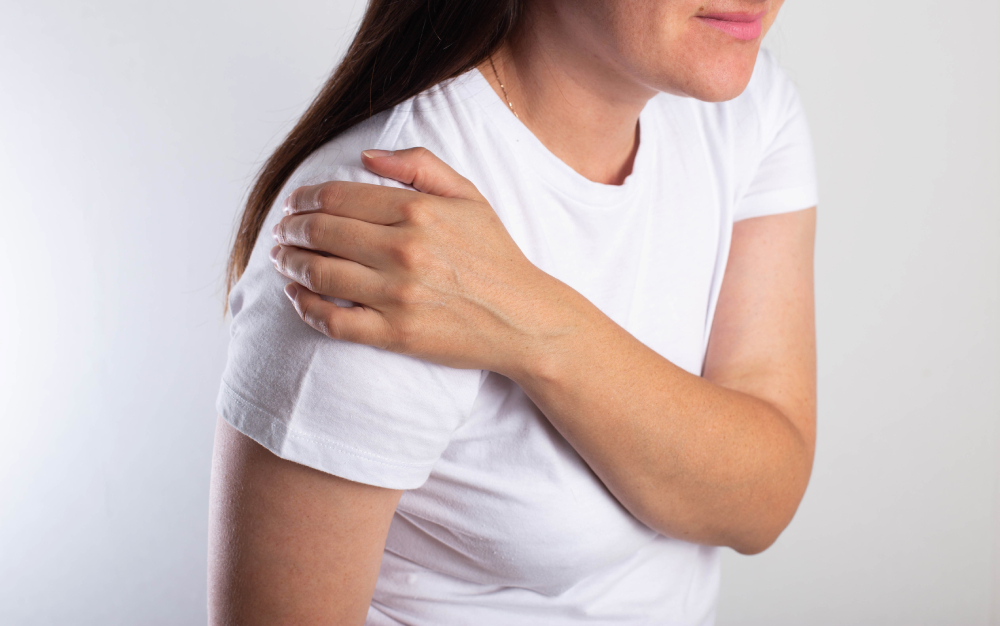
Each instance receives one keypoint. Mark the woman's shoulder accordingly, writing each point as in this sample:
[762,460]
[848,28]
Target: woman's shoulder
[769,80]
[434,118]
[340,158]
[771,92]
[747,124]
[352,410]
[758,142]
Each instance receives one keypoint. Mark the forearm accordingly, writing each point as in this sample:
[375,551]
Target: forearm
[691,459]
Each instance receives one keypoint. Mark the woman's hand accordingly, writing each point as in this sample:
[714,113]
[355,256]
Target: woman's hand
[434,272]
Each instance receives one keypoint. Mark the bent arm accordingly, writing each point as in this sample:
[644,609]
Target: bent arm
[722,459]
[289,544]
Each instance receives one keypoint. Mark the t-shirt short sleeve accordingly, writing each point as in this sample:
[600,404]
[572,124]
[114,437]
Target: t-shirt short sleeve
[355,411]
[784,178]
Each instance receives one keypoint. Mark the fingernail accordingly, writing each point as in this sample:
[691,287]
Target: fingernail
[274,231]
[288,206]
[274,254]
[290,291]
[375,154]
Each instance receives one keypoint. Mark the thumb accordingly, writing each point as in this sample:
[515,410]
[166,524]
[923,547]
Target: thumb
[420,168]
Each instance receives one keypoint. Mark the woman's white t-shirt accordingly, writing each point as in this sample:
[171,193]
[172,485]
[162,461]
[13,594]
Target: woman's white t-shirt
[502,522]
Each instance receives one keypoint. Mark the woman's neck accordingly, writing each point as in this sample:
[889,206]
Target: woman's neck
[576,103]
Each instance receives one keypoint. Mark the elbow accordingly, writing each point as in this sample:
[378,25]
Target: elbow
[750,539]
[767,518]
[754,545]
[747,537]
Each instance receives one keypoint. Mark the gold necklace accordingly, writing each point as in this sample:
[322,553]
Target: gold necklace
[502,88]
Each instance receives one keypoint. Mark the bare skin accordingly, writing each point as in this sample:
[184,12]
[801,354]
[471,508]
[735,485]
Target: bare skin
[289,544]
[721,459]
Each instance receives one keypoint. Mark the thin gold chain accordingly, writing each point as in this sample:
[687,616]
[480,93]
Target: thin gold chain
[502,88]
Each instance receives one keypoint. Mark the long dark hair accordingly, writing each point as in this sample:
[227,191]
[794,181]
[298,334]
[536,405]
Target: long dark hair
[402,48]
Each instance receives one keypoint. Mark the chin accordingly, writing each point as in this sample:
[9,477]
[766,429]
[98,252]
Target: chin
[714,76]
[722,84]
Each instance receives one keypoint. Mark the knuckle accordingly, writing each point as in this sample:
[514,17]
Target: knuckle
[330,194]
[281,259]
[313,275]
[320,320]
[410,255]
[313,229]
[408,208]
[330,326]
[417,210]
[308,313]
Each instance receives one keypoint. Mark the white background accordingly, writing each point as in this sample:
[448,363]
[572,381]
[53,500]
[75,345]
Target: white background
[129,132]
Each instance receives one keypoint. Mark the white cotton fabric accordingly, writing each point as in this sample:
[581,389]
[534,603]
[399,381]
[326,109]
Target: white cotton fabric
[503,523]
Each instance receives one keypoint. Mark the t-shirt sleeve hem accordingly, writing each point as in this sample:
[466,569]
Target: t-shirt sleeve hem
[312,451]
[773,203]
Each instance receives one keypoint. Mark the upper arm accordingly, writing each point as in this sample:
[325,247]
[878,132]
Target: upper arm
[289,544]
[763,336]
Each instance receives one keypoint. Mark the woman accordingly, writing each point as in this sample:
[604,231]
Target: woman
[581,357]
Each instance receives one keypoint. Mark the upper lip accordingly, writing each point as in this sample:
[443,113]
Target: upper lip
[735,17]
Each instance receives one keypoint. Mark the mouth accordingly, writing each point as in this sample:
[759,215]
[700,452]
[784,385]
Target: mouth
[742,26]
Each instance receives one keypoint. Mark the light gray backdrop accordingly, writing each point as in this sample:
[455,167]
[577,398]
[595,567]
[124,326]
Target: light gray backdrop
[129,132]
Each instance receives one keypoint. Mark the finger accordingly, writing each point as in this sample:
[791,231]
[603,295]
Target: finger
[422,169]
[344,237]
[376,204]
[329,276]
[357,324]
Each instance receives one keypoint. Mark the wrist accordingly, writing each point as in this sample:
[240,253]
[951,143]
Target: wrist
[557,322]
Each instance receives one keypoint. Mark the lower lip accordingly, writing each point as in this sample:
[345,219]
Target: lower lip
[744,31]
